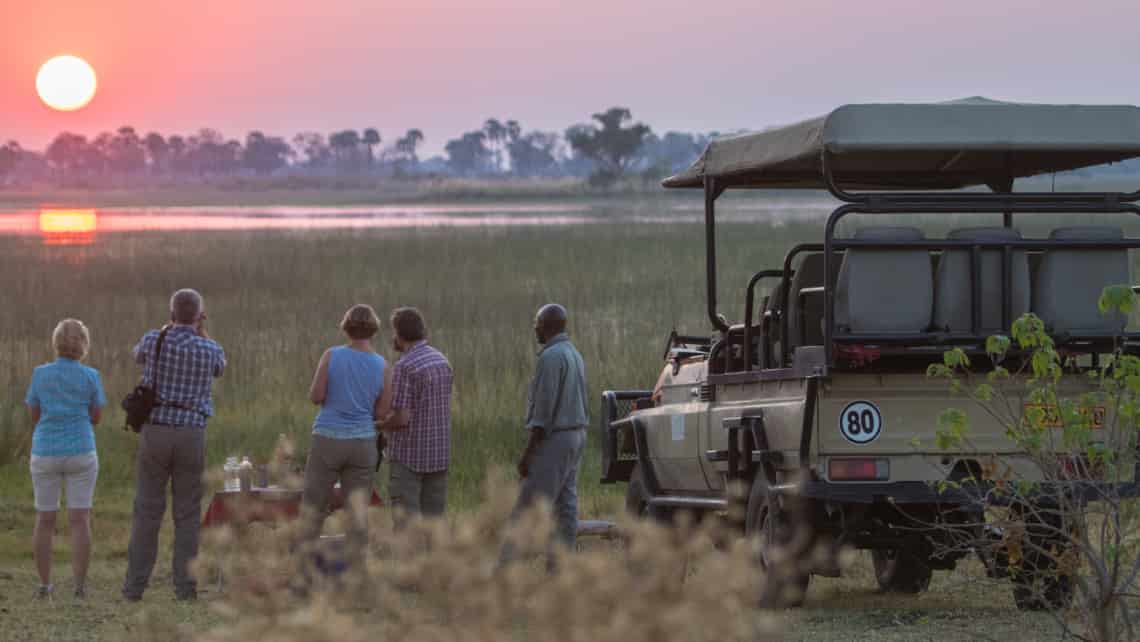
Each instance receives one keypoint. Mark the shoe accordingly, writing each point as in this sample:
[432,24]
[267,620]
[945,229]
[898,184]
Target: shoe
[81,591]
[45,592]
[188,596]
[131,597]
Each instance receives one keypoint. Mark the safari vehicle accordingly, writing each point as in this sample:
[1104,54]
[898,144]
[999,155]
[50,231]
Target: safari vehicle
[817,403]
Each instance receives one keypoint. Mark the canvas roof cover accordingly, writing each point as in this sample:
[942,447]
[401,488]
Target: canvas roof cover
[975,141]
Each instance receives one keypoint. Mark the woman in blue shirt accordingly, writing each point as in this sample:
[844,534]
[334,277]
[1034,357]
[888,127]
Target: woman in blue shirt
[349,385]
[65,400]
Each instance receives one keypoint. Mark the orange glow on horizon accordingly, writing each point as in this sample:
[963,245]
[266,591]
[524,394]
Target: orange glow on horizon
[68,227]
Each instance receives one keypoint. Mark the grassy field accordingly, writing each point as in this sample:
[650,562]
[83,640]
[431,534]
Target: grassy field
[274,300]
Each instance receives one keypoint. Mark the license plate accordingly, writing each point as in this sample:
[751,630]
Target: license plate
[1052,417]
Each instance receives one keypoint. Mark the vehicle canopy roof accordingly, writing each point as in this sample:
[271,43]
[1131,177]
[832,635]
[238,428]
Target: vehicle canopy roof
[975,141]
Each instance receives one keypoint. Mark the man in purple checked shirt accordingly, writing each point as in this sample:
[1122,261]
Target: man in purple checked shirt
[418,421]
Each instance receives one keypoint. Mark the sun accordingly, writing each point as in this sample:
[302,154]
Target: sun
[66,83]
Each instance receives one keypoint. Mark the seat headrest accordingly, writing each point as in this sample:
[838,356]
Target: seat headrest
[1088,233]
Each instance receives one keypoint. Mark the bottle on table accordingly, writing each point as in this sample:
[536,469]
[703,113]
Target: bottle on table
[245,474]
[231,483]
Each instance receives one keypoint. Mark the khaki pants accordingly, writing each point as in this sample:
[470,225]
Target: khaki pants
[176,455]
[415,493]
[353,463]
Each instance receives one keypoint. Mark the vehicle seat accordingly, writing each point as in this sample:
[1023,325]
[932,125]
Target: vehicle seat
[1069,282]
[952,300]
[809,274]
[883,292]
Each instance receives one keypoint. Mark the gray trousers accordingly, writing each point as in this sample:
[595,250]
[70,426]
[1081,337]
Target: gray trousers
[416,493]
[353,462]
[177,455]
[553,474]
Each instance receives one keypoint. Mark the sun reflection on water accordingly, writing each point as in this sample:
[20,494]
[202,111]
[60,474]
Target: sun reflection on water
[68,226]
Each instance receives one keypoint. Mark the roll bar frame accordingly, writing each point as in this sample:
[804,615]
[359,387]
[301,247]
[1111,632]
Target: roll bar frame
[1002,200]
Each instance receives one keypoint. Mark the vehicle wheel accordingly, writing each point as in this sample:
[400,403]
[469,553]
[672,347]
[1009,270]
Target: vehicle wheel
[1038,583]
[1042,591]
[637,500]
[901,571]
[782,546]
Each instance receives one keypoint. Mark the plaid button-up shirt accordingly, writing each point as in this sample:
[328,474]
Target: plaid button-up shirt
[421,384]
[188,365]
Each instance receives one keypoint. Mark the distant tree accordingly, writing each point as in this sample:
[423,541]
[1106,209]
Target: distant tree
[533,154]
[409,142]
[157,150]
[345,144]
[313,146]
[68,152]
[370,138]
[406,150]
[10,154]
[209,152]
[669,154]
[513,130]
[176,152]
[496,134]
[125,152]
[265,154]
[469,154]
[609,143]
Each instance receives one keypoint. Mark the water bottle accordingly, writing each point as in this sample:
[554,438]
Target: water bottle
[245,474]
[232,483]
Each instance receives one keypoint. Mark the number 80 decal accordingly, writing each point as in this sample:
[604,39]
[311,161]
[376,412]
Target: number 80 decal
[860,422]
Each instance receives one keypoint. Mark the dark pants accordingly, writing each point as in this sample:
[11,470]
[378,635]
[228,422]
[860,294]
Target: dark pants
[353,462]
[415,493]
[177,455]
[553,475]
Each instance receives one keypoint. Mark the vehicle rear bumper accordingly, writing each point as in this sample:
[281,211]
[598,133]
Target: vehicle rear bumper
[917,492]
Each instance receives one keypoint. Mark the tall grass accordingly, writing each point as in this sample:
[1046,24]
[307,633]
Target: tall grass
[274,300]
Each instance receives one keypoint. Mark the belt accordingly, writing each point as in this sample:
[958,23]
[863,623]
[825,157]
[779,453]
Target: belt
[567,429]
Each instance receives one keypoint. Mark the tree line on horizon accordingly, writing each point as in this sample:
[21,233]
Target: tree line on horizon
[605,149]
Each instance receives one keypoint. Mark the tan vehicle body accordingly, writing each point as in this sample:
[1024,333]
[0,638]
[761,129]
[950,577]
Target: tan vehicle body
[682,429]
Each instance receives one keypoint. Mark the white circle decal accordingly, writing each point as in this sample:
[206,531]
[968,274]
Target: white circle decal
[860,422]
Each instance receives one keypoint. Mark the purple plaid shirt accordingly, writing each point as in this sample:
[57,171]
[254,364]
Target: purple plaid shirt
[421,383]
[189,364]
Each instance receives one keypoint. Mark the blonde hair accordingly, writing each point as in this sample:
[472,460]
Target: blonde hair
[71,339]
[360,322]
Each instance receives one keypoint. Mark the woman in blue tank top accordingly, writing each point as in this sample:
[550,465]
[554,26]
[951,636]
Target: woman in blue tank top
[351,382]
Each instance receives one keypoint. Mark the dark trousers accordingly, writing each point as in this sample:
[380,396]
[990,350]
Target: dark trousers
[353,463]
[415,493]
[177,455]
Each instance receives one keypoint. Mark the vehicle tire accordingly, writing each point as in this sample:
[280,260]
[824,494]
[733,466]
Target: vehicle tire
[1038,585]
[783,543]
[637,500]
[901,571]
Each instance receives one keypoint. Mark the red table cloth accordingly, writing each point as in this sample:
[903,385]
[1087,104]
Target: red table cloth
[265,505]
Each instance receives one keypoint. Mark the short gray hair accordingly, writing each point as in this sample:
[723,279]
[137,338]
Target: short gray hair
[186,306]
[71,339]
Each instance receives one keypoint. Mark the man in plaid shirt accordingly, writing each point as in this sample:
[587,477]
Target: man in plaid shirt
[418,420]
[172,444]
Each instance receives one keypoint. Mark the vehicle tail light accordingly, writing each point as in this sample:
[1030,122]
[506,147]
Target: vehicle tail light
[1078,468]
[858,469]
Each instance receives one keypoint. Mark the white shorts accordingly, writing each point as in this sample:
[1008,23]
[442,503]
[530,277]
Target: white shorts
[78,472]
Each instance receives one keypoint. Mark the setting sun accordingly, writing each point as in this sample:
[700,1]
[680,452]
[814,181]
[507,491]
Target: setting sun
[66,83]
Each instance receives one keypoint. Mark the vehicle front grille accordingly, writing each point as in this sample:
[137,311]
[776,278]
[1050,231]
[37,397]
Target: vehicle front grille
[708,392]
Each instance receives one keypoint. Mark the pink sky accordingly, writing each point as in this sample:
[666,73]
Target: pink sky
[444,66]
